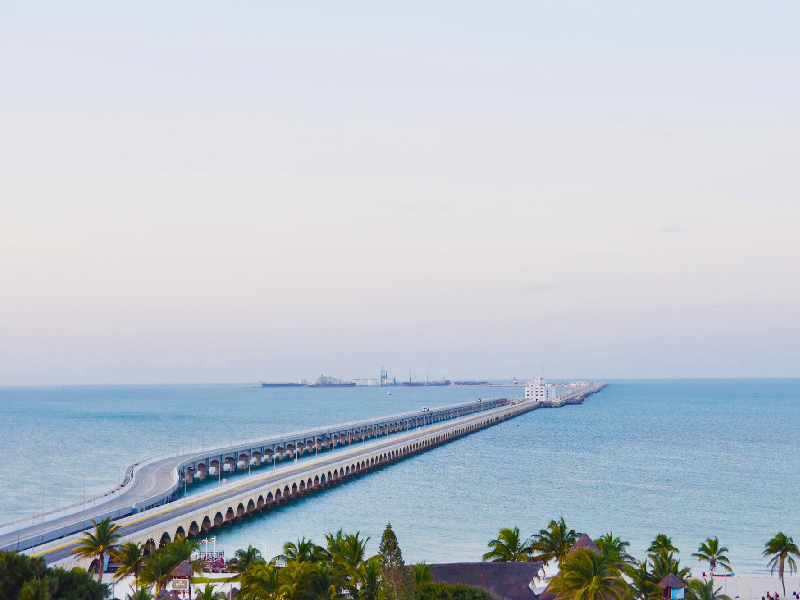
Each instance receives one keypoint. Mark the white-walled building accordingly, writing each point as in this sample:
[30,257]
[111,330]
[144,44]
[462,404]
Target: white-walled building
[540,390]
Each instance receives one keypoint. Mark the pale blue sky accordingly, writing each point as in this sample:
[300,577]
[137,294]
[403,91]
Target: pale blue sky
[206,191]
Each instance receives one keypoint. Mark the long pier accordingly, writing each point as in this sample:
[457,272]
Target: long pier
[158,480]
[168,519]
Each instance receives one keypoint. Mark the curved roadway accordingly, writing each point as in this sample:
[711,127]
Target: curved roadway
[156,516]
[155,480]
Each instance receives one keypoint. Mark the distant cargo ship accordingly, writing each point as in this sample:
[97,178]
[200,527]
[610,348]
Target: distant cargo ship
[330,382]
[283,385]
[471,382]
[426,383]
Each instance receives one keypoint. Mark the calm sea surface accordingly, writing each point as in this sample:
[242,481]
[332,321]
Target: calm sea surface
[692,458]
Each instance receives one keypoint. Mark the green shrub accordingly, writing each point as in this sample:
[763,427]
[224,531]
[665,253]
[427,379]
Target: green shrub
[26,578]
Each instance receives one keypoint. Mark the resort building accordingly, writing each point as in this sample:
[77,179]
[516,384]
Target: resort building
[503,580]
[540,390]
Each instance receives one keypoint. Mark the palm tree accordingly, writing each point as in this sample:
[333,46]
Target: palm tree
[323,583]
[704,590]
[422,573]
[353,549]
[335,541]
[304,550]
[364,581]
[609,543]
[140,594]
[508,547]
[781,548]
[99,543]
[642,585]
[260,581]
[157,569]
[554,542]
[244,558]
[208,593]
[295,578]
[132,559]
[181,550]
[665,563]
[586,575]
[662,542]
[711,552]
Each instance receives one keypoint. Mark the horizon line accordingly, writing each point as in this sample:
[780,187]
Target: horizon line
[257,383]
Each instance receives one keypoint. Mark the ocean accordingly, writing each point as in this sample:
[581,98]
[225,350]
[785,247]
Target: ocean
[690,458]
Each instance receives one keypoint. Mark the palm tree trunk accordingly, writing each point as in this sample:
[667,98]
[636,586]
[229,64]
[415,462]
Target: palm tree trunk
[100,568]
[780,573]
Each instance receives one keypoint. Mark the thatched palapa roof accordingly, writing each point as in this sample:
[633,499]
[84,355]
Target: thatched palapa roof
[671,581]
[507,580]
[584,541]
[183,570]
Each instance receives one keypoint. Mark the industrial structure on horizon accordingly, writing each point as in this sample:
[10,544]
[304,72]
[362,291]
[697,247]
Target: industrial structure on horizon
[535,389]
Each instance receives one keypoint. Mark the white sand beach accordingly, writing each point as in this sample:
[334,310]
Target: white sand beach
[754,587]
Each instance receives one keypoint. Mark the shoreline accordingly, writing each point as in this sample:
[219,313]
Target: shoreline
[753,587]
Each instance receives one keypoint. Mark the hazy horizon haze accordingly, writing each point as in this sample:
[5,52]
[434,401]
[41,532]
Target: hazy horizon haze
[207,193]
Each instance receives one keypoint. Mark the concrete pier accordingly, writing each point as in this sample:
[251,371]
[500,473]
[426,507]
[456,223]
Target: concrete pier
[157,481]
[268,488]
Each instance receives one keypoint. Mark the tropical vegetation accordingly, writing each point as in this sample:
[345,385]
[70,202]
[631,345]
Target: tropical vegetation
[781,549]
[711,552]
[162,562]
[509,547]
[704,590]
[25,578]
[342,568]
[131,558]
[587,575]
[662,542]
[98,543]
[244,558]
[553,542]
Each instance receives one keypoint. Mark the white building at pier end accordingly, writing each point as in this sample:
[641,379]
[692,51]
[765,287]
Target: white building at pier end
[540,390]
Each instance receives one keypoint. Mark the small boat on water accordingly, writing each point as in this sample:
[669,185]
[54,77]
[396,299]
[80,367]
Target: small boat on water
[388,393]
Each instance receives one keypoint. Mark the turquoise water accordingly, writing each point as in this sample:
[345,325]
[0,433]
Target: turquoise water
[691,458]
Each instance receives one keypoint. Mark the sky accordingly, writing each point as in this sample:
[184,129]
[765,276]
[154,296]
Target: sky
[234,192]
